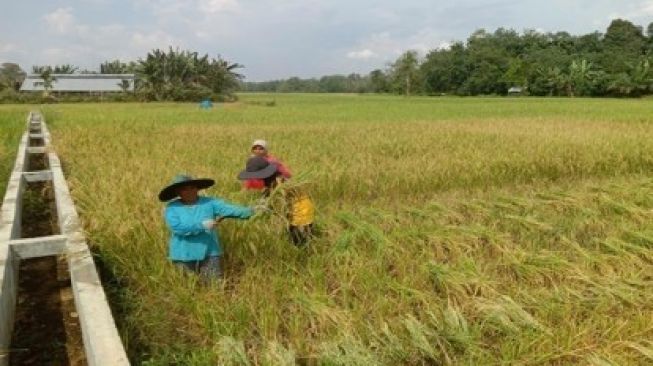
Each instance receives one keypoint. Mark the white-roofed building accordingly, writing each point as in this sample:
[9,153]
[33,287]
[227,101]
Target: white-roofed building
[81,83]
[516,90]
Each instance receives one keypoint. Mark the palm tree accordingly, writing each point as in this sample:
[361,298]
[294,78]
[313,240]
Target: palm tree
[113,67]
[64,69]
[183,74]
[222,76]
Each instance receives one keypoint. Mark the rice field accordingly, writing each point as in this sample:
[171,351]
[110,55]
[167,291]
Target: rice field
[453,231]
[13,120]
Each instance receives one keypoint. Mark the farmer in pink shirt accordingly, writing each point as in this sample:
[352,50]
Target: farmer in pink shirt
[260,148]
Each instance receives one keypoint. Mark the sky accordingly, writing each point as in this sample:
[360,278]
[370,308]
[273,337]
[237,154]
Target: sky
[277,39]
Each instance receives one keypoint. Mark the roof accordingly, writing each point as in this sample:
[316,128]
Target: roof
[80,82]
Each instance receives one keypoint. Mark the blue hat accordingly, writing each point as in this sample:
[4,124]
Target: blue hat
[181,180]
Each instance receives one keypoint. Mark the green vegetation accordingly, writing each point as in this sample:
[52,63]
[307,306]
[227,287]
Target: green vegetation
[13,122]
[171,75]
[185,76]
[460,231]
[617,63]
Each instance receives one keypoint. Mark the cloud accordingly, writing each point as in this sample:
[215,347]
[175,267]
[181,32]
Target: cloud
[7,47]
[389,46]
[61,20]
[87,45]
[148,41]
[641,11]
[218,6]
[362,54]
[646,9]
[69,54]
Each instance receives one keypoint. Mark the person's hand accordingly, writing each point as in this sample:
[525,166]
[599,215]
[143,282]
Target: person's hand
[209,224]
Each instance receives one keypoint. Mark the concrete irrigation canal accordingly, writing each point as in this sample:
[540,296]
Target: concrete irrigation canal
[53,309]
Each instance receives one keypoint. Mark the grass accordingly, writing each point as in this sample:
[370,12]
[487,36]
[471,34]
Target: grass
[13,122]
[458,231]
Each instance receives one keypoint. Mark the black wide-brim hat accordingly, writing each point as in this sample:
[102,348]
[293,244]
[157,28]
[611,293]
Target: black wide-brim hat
[181,180]
[257,168]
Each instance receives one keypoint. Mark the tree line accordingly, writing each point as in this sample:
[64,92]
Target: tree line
[161,75]
[614,63]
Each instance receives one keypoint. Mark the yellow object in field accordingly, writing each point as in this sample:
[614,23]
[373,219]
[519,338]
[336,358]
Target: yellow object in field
[302,210]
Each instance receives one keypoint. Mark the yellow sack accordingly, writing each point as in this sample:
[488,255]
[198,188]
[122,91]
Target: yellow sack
[301,210]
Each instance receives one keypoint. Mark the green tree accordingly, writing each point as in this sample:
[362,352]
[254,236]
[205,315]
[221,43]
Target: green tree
[404,73]
[641,77]
[557,63]
[124,85]
[222,76]
[117,67]
[11,76]
[46,74]
[580,78]
[555,80]
[378,81]
[623,44]
[64,69]
[517,73]
[445,70]
[487,61]
[185,75]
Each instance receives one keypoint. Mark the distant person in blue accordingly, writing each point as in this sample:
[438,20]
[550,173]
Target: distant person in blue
[192,220]
[206,104]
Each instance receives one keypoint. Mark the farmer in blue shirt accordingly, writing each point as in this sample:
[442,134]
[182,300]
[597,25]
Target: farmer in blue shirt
[192,219]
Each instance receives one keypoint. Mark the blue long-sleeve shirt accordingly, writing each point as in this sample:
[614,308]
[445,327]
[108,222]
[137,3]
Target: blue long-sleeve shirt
[189,240]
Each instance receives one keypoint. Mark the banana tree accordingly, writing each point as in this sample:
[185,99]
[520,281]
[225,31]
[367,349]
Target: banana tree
[580,77]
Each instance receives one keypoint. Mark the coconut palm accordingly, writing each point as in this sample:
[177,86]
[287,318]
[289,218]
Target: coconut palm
[183,74]
[64,69]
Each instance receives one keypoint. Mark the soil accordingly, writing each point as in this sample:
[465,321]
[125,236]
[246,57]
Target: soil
[37,162]
[46,327]
[39,212]
[35,142]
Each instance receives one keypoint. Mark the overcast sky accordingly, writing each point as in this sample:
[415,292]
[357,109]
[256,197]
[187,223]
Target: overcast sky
[281,38]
